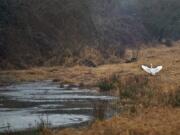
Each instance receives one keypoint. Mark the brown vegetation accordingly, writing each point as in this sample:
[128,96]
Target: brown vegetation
[151,121]
[150,103]
[167,80]
[51,32]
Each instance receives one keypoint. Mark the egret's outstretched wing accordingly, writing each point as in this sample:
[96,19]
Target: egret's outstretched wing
[157,69]
[145,68]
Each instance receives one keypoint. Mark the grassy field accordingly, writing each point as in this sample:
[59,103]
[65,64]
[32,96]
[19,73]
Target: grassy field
[151,121]
[150,103]
[168,79]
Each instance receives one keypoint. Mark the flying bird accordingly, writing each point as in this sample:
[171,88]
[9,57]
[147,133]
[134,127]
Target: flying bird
[151,70]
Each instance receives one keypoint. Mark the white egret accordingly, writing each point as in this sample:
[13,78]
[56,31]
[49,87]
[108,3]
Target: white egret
[151,70]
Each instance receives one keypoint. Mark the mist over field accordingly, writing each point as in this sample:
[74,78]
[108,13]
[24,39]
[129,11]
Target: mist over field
[58,32]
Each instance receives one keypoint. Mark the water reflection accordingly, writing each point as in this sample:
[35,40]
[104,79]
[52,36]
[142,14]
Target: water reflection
[22,105]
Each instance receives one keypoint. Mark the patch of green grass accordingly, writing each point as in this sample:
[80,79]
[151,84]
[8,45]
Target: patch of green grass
[177,98]
[105,85]
[174,98]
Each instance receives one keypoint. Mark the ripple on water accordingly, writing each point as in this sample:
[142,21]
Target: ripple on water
[25,105]
[19,120]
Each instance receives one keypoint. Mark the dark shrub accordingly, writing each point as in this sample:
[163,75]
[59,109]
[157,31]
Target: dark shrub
[105,85]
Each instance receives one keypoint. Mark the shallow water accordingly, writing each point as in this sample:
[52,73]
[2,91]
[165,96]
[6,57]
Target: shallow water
[24,106]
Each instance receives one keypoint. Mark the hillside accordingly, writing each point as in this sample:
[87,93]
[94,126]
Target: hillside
[53,32]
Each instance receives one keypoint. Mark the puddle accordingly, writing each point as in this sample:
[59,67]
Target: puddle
[24,106]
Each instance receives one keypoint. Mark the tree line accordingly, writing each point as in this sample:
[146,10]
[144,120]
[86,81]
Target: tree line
[50,32]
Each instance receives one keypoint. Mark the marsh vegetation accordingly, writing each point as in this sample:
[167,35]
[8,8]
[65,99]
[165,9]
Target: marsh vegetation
[92,50]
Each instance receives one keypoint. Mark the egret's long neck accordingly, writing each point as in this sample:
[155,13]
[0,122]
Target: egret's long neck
[151,66]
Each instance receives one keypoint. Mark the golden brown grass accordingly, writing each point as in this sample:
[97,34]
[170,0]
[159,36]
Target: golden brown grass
[151,121]
[168,79]
[161,120]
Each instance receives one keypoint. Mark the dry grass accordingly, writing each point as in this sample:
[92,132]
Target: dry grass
[168,79]
[161,120]
[151,121]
